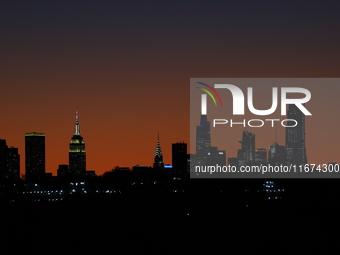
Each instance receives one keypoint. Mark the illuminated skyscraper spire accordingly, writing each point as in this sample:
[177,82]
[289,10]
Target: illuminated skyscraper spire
[158,162]
[77,129]
[77,154]
[158,152]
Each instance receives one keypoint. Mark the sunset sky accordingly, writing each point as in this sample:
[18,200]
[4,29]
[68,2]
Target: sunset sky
[127,67]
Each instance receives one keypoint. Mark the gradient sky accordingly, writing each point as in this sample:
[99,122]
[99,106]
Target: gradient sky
[127,67]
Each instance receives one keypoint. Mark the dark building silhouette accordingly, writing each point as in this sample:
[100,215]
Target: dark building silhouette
[63,171]
[77,154]
[179,158]
[203,137]
[295,137]
[141,173]
[3,156]
[35,156]
[90,173]
[205,153]
[13,164]
[276,154]
[246,154]
[233,162]
[158,157]
[260,156]
[9,162]
[215,156]
[188,162]
[203,142]
[140,169]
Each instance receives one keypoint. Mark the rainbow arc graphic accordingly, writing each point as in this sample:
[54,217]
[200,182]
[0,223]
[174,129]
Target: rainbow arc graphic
[209,93]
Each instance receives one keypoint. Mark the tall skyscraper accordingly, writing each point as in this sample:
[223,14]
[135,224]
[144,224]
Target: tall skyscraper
[13,164]
[203,142]
[205,153]
[203,136]
[295,137]
[77,154]
[158,157]
[35,156]
[179,158]
[3,156]
[246,154]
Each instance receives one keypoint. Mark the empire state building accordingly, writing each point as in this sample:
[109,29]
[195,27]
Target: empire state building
[77,154]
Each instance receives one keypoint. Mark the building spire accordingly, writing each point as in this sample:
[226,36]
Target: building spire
[158,152]
[77,129]
[158,162]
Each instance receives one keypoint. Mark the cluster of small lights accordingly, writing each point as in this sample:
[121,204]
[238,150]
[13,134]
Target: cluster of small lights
[48,192]
[49,200]
[177,190]
[77,183]
[112,191]
[142,183]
